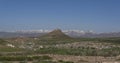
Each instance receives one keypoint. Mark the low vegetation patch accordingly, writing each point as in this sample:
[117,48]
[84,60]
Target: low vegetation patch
[23,58]
[83,51]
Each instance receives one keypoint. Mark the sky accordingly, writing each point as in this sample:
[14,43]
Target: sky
[96,15]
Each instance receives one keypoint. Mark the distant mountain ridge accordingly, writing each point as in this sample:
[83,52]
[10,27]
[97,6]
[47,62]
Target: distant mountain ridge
[74,34]
[19,34]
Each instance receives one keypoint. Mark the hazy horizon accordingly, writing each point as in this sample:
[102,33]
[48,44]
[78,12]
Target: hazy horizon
[96,15]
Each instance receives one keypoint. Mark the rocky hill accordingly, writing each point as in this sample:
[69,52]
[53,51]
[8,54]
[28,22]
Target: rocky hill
[56,34]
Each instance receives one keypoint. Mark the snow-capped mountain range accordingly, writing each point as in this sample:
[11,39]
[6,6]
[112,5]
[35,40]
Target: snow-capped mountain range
[72,33]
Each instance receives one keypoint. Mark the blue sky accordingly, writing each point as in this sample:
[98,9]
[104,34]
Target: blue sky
[97,15]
